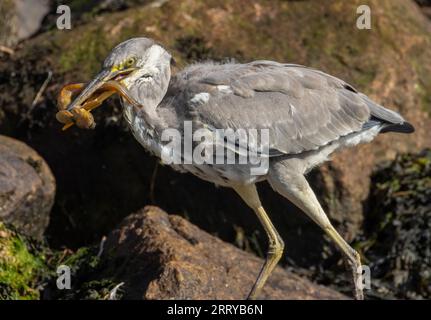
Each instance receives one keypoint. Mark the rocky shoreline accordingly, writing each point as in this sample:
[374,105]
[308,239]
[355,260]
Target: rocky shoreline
[153,255]
[61,193]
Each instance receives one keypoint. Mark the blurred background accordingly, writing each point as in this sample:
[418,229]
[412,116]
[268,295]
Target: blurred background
[378,195]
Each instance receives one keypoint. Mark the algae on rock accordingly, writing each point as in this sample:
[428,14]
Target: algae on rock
[21,266]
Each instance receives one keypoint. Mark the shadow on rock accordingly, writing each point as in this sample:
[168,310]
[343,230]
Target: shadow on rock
[159,256]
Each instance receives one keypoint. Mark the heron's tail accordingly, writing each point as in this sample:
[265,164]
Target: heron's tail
[404,127]
[389,120]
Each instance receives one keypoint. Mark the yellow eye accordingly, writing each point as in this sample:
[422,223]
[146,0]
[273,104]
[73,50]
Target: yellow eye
[130,62]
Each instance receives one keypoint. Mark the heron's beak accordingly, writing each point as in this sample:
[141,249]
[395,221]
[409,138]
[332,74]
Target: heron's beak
[97,83]
[104,85]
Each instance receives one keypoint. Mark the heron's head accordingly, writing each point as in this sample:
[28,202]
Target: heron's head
[139,65]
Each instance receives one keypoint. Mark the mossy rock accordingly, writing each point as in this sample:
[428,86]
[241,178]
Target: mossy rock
[395,240]
[28,270]
[92,278]
[22,266]
[398,227]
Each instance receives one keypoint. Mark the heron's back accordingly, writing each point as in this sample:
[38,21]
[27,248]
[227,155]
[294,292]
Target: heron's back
[304,109]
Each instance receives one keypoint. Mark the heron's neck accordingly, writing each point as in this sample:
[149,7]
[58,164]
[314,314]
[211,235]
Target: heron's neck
[150,91]
[144,121]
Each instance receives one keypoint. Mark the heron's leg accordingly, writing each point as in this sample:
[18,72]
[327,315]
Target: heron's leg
[295,187]
[249,194]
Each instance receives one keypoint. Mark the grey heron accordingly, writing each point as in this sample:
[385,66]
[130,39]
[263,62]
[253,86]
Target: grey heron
[307,113]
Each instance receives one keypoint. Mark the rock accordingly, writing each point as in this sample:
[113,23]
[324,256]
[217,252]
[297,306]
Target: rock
[22,266]
[424,3]
[161,256]
[6,11]
[21,19]
[395,239]
[27,188]
[390,62]
[425,7]
[399,223]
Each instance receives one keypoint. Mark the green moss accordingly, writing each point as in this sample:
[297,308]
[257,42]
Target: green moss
[363,78]
[423,81]
[398,223]
[92,278]
[85,256]
[97,290]
[87,51]
[7,8]
[19,268]
[424,95]
[80,5]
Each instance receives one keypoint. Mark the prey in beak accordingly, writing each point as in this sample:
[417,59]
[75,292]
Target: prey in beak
[92,95]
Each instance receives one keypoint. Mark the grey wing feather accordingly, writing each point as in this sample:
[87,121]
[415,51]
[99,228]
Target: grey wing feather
[381,112]
[302,108]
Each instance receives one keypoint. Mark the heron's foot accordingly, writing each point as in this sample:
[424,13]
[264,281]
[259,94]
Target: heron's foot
[276,245]
[274,254]
[355,264]
[251,295]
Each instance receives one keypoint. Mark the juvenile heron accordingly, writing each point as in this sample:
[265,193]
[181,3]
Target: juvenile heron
[308,114]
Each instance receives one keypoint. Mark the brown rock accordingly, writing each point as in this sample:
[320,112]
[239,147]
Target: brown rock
[27,187]
[161,256]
